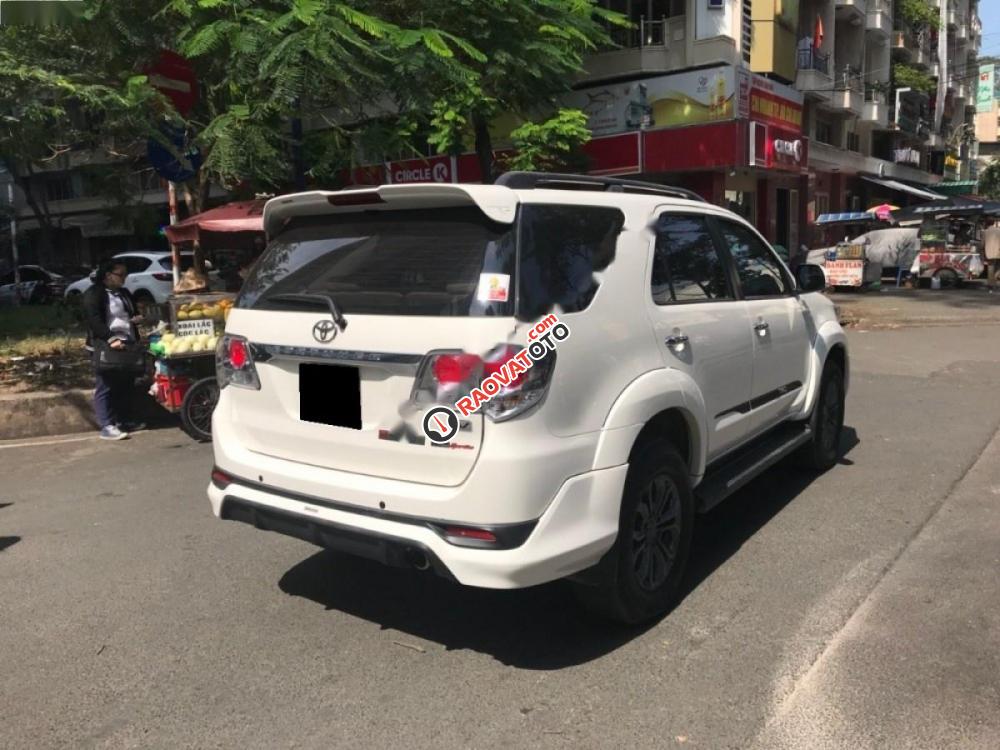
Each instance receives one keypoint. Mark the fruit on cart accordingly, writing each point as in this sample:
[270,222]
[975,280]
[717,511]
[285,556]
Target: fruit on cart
[182,315]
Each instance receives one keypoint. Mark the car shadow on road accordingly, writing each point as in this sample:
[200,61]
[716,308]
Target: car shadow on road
[8,541]
[540,628]
[722,531]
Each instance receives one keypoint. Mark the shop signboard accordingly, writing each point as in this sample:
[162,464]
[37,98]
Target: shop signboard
[432,169]
[847,272]
[775,104]
[776,148]
[675,100]
[194,327]
[985,92]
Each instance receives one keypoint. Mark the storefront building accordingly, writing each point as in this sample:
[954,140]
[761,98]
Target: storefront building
[733,137]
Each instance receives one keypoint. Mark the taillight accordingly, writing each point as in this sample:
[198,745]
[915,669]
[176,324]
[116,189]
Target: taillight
[163,276]
[220,478]
[463,535]
[455,368]
[524,392]
[234,363]
[446,376]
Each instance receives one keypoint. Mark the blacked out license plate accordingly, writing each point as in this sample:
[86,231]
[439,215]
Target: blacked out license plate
[330,394]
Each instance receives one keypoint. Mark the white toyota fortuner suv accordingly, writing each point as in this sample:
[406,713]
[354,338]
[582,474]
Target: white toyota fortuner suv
[686,360]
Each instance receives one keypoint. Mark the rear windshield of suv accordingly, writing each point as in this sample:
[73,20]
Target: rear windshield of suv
[441,262]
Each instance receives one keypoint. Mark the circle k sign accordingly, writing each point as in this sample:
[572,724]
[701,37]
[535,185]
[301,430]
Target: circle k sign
[420,171]
[792,149]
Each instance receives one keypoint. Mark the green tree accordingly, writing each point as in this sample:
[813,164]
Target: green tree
[918,14]
[989,180]
[914,78]
[58,97]
[550,146]
[532,50]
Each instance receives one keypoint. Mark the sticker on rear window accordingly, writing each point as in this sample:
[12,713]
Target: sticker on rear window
[493,287]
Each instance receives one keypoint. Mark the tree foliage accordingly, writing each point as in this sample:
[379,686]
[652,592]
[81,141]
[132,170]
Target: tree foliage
[989,180]
[552,145]
[531,52]
[914,78]
[918,14]
[60,96]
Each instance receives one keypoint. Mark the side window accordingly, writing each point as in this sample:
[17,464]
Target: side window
[686,264]
[135,264]
[33,274]
[561,250]
[757,266]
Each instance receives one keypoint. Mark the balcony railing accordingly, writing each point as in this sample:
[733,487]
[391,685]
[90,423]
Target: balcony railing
[849,79]
[875,94]
[812,59]
[651,33]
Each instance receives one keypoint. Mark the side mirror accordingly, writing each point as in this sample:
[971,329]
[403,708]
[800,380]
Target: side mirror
[811,278]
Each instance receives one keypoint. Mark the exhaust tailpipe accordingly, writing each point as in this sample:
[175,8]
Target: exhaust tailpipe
[417,559]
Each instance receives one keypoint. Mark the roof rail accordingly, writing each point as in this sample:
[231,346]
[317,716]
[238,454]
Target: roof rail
[557,181]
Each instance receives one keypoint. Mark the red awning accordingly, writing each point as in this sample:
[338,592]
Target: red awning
[242,216]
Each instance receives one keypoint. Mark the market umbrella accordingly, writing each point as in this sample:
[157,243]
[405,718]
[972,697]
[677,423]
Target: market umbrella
[883,211]
[242,216]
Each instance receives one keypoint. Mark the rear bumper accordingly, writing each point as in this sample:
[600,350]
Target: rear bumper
[574,532]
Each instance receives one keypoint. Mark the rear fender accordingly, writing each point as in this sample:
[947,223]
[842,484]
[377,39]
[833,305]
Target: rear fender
[644,398]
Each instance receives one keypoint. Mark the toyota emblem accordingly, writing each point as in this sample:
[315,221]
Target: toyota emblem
[325,331]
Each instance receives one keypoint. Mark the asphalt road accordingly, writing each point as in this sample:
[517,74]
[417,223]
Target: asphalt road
[857,609]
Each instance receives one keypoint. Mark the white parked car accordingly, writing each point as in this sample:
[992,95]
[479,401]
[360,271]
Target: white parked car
[150,275]
[689,361]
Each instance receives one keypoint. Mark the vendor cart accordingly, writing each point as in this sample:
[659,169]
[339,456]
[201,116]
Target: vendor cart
[184,377]
[949,235]
[847,266]
[184,371]
[947,252]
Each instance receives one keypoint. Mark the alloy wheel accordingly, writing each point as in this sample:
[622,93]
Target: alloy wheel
[656,532]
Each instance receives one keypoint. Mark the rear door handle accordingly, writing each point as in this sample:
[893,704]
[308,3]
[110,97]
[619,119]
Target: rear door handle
[677,341]
[761,328]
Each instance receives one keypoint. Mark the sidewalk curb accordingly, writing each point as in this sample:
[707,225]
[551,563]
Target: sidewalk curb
[28,415]
[31,415]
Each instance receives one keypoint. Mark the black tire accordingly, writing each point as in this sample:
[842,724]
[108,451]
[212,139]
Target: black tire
[827,421]
[197,407]
[638,578]
[949,278]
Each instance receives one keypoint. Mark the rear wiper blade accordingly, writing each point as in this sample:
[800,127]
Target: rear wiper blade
[324,299]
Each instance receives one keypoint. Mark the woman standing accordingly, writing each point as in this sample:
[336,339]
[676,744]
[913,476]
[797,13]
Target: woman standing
[111,317]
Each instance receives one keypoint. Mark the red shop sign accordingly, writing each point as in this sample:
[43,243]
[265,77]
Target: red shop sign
[777,148]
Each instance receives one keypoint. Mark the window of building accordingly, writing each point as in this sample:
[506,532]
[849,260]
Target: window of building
[853,142]
[756,264]
[59,187]
[686,264]
[824,132]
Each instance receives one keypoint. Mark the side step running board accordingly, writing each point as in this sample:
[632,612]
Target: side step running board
[733,472]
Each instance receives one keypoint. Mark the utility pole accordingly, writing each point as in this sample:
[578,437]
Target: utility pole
[175,253]
[13,233]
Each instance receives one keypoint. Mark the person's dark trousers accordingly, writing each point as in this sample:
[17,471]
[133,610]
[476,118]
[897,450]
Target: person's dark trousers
[113,397]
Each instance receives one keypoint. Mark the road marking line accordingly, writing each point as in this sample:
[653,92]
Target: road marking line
[48,442]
